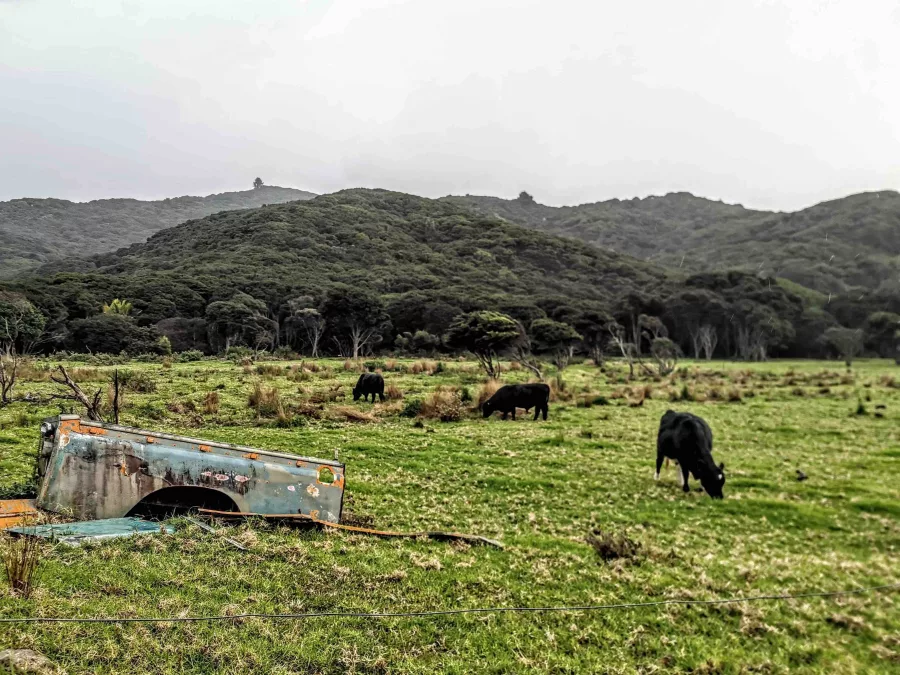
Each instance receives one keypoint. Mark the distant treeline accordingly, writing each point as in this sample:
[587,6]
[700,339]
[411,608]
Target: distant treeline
[367,271]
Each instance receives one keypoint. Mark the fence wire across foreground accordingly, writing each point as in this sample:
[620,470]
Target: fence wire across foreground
[452,612]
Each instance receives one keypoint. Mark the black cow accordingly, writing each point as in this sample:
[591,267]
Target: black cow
[369,383]
[688,440]
[511,396]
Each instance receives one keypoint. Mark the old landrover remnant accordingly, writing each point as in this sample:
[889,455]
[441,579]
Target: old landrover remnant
[93,470]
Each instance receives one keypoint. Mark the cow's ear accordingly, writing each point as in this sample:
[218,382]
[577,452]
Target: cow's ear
[722,466]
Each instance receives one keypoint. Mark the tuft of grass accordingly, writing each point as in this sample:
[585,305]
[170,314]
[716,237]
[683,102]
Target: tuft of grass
[611,546]
[265,400]
[23,558]
[860,407]
[424,366]
[735,395]
[211,403]
[393,392]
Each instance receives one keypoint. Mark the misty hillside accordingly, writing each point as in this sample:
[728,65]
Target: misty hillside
[388,242]
[35,231]
[837,246]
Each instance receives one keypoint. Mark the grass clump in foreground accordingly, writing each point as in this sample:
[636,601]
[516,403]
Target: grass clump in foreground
[541,488]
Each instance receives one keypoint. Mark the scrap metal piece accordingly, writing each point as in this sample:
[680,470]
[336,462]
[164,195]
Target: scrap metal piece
[98,470]
[212,530]
[441,536]
[16,511]
[74,534]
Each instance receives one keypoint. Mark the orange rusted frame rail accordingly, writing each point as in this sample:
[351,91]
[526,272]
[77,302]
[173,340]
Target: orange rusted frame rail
[16,511]
[472,538]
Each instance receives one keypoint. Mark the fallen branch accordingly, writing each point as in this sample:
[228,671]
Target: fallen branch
[440,536]
[91,406]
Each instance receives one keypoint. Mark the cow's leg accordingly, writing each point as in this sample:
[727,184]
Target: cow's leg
[684,477]
[659,462]
[514,414]
[505,413]
[537,411]
[545,409]
[381,394]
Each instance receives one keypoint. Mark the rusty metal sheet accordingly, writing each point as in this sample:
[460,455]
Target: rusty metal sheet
[16,511]
[95,470]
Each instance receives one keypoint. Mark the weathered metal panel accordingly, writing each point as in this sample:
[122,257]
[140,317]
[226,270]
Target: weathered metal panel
[95,470]
[93,530]
[15,511]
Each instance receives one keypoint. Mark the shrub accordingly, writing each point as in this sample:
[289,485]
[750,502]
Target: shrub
[138,381]
[189,355]
[464,394]
[412,408]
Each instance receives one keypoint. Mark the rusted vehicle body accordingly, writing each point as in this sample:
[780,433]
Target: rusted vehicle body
[94,470]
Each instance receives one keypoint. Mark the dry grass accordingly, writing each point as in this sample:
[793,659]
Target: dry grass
[425,366]
[211,403]
[87,375]
[485,391]
[269,370]
[351,414]
[735,395]
[329,395]
[22,559]
[265,400]
[393,392]
[442,405]
[354,366]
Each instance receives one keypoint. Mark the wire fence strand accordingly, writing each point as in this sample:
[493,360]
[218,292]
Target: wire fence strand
[453,612]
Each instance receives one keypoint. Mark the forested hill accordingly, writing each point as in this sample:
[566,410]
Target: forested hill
[844,246]
[405,268]
[387,243]
[35,231]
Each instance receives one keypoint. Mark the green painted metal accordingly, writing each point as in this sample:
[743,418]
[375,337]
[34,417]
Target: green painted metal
[75,534]
[94,470]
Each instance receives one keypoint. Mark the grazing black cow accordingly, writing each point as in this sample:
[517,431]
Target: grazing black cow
[511,396]
[688,440]
[369,383]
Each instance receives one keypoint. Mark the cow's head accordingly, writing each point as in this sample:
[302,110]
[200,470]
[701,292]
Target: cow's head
[487,409]
[714,482]
[356,393]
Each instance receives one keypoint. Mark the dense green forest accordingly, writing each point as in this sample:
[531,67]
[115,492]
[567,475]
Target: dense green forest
[848,246]
[35,231]
[362,271]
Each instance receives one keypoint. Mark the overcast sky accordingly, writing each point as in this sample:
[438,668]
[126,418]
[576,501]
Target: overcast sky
[773,104]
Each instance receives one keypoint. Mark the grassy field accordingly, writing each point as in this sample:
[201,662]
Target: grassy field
[541,488]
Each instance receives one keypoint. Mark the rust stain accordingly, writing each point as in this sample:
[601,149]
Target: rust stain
[204,448]
[15,511]
[251,455]
[150,439]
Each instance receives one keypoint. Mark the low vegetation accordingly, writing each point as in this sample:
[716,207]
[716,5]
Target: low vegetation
[573,500]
